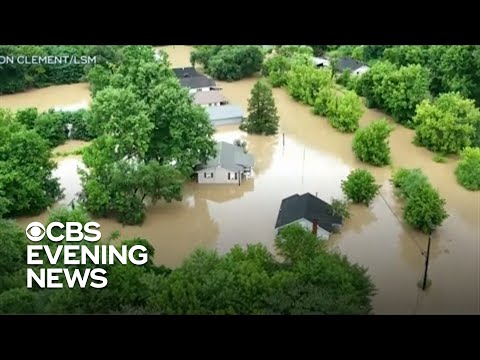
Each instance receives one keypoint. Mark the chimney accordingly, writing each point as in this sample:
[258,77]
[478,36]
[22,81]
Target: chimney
[314,226]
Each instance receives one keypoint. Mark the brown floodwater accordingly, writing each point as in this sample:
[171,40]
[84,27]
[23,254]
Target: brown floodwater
[61,97]
[312,158]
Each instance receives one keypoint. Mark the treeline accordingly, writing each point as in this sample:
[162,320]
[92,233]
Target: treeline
[15,77]
[416,85]
[309,280]
[228,62]
[291,66]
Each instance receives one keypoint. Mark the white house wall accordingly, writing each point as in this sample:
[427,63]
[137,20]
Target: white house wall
[308,225]
[220,176]
[361,70]
[193,91]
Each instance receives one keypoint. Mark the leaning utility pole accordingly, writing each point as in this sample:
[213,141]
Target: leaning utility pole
[427,258]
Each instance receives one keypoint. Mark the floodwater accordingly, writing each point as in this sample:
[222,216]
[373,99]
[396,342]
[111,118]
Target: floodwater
[61,97]
[313,157]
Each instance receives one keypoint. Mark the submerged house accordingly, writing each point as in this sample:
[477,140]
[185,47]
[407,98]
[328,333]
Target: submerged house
[355,66]
[309,211]
[209,98]
[225,115]
[190,78]
[230,166]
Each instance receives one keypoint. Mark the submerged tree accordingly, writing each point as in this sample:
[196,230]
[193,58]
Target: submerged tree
[360,186]
[345,112]
[468,169]
[448,124]
[262,112]
[370,143]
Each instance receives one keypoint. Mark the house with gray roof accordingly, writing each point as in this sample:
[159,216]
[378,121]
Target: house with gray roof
[231,165]
[310,212]
[225,115]
[348,63]
[190,78]
[209,98]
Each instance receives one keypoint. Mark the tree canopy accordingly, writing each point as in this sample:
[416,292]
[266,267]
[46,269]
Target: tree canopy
[150,135]
[262,112]
[371,145]
[26,180]
[447,124]
[228,62]
[360,186]
[468,169]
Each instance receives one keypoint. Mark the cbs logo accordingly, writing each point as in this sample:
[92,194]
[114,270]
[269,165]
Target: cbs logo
[75,231]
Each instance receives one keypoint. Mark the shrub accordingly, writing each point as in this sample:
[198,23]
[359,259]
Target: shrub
[468,169]
[360,186]
[370,143]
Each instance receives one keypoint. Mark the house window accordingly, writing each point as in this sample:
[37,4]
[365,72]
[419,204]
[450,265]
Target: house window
[232,176]
[208,175]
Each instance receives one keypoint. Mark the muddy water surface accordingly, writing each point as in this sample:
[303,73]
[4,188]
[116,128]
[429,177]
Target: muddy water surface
[315,158]
[61,97]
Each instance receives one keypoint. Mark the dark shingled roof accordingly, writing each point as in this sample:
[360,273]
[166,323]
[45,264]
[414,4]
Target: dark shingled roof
[197,82]
[186,72]
[347,63]
[308,207]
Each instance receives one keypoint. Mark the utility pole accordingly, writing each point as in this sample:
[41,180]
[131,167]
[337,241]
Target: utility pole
[427,258]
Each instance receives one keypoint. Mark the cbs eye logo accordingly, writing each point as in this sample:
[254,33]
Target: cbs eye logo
[35,231]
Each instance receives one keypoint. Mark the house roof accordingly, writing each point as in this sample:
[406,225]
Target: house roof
[308,207]
[186,72]
[347,63]
[230,157]
[320,60]
[216,113]
[208,97]
[197,82]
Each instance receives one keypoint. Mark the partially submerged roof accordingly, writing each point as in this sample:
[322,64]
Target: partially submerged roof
[347,63]
[216,113]
[308,207]
[321,61]
[197,82]
[208,97]
[230,157]
[186,72]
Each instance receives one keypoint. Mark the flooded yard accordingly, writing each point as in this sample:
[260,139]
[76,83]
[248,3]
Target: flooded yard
[308,155]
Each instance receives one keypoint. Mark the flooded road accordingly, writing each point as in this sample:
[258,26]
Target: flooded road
[315,158]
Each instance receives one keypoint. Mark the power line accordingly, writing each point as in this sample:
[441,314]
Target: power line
[401,223]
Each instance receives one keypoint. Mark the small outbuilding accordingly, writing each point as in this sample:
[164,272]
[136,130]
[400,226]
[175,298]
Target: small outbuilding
[209,98]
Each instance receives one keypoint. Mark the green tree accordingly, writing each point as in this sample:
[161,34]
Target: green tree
[326,99]
[468,169]
[235,62]
[99,77]
[114,113]
[304,82]
[448,124]
[182,131]
[27,117]
[360,186]
[370,143]
[25,169]
[50,126]
[262,112]
[425,209]
[345,112]
[275,69]
[295,244]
